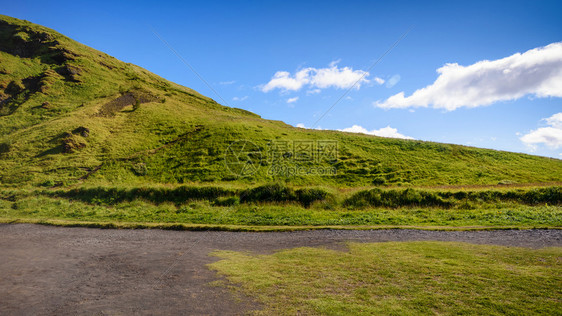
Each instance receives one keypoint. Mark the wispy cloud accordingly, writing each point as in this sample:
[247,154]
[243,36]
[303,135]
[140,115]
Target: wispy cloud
[536,72]
[227,82]
[551,135]
[240,98]
[392,81]
[319,78]
[292,100]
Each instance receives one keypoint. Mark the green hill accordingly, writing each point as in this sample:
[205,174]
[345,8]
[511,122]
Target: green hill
[107,132]
[70,114]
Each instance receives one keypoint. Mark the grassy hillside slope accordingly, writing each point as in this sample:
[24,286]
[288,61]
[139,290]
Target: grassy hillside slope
[72,115]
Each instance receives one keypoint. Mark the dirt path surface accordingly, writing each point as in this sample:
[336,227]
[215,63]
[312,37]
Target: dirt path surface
[58,271]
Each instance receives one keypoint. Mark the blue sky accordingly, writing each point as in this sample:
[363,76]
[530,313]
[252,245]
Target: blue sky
[507,103]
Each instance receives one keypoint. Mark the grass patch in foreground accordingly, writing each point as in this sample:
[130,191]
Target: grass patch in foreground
[400,278]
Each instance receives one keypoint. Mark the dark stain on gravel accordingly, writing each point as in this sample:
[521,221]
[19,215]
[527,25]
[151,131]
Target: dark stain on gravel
[48,270]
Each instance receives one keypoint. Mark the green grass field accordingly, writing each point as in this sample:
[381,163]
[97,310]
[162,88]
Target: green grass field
[86,137]
[399,278]
[276,206]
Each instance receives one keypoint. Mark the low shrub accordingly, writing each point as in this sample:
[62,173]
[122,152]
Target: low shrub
[280,193]
[101,195]
[395,198]
[448,199]
[308,196]
[268,193]
[227,201]
[550,195]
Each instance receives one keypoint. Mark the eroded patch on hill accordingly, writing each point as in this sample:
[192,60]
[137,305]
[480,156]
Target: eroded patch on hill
[130,98]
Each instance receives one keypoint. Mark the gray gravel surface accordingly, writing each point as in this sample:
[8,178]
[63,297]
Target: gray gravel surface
[48,270]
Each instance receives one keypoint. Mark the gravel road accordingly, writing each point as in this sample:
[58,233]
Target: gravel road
[48,270]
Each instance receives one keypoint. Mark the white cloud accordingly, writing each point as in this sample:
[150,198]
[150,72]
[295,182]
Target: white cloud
[227,82]
[240,98]
[319,78]
[537,72]
[284,80]
[551,136]
[379,80]
[392,81]
[292,100]
[313,91]
[341,78]
[383,132]
[555,120]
